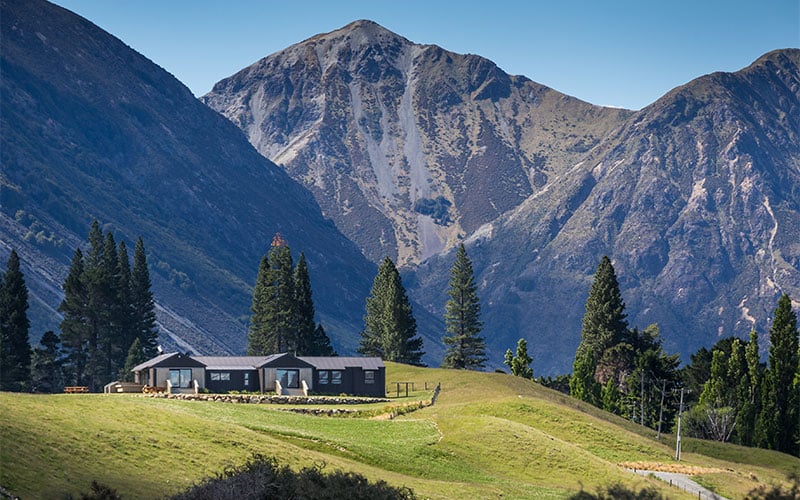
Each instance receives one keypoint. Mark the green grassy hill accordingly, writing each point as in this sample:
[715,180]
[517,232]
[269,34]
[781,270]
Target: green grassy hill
[489,435]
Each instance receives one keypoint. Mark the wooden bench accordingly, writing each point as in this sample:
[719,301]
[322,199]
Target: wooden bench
[75,389]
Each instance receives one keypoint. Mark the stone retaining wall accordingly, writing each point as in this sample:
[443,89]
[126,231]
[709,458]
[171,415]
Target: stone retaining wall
[273,399]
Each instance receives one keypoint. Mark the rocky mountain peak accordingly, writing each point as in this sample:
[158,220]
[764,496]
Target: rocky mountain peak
[408,148]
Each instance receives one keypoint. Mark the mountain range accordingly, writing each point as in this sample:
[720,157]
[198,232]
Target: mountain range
[411,149]
[386,147]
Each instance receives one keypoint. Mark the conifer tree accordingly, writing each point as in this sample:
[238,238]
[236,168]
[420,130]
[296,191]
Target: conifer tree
[111,334]
[46,367]
[779,420]
[126,318]
[603,326]
[136,356]
[390,330]
[321,343]
[74,325]
[466,348]
[259,336]
[272,323]
[144,316]
[303,308]
[520,363]
[15,349]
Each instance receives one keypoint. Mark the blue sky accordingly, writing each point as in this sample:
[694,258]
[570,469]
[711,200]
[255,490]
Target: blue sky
[618,53]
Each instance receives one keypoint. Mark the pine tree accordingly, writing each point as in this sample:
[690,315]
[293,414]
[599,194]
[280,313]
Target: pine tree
[15,349]
[466,348]
[779,417]
[390,330]
[144,316]
[603,326]
[126,318]
[46,367]
[322,343]
[272,323]
[74,325]
[111,336]
[520,364]
[303,308]
[258,338]
[136,356]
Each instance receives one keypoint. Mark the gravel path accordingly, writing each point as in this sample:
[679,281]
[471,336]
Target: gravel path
[683,482]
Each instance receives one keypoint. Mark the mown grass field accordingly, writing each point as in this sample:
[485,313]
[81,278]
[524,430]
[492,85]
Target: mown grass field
[489,436]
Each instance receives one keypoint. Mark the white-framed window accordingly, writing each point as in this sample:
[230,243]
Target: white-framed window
[369,376]
[246,379]
[324,377]
[336,377]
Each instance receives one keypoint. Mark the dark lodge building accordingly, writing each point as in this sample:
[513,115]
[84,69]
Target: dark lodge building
[282,373]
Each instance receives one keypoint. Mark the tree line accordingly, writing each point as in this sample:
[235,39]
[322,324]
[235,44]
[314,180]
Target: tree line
[282,318]
[108,324]
[731,395]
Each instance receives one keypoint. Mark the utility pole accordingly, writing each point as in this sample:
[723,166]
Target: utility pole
[678,442]
[661,408]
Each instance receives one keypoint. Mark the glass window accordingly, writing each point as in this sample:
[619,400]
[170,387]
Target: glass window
[215,376]
[225,376]
[336,377]
[324,377]
[369,377]
[180,378]
[289,378]
[246,379]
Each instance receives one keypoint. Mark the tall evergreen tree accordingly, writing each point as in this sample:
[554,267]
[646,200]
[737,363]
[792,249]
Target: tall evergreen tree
[272,323]
[126,318]
[46,367]
[603,326]
[390,330]
[259,337]
[779,419]
[15,349]
[466,348]
[111,336]
[144,310]
[74,325]
[303,308]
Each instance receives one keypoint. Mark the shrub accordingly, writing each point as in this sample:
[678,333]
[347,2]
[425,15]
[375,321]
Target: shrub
[262,477]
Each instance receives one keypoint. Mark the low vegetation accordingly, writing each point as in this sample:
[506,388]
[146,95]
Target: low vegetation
[489,434]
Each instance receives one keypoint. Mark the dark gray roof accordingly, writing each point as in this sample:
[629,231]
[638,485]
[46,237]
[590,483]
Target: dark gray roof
[234,362]
[154,361]
[342,362]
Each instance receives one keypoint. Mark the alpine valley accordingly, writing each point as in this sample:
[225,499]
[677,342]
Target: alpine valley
[386,147]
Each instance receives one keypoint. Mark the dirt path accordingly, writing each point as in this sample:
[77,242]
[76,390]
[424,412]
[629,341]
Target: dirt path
[681,481]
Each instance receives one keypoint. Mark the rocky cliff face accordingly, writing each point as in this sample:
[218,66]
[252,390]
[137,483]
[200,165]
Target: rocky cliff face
[407,147]
[91,129]
[697,200]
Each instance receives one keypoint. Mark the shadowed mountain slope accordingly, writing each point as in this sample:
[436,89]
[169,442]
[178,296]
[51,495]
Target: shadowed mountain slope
[92,129]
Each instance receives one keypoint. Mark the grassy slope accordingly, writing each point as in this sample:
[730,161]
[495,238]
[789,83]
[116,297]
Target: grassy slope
[488,435]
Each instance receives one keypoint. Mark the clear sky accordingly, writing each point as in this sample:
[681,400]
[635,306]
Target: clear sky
[623,53]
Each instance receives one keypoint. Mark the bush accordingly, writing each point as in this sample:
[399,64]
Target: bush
[777,492]
[619,492]
[262,477]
